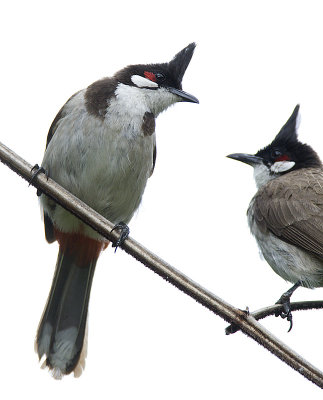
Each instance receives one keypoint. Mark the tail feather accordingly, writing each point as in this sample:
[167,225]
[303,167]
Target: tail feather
[62,329]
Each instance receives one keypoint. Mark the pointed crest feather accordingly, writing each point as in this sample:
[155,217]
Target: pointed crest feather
[180,62]
[288,132]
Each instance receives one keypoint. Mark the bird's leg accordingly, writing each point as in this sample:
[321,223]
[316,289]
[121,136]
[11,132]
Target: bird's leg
[124,233]
[38,170]
[285,302]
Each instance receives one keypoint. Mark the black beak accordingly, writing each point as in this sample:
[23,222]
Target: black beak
[183,95]
[246,158]
[177,68]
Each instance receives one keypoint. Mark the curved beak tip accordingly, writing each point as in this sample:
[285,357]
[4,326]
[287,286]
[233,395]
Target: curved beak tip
[192,99]
[183,95]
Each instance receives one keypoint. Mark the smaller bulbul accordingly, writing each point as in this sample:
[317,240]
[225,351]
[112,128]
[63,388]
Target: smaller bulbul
[286,214]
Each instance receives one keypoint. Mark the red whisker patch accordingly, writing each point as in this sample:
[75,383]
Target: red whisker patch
[283,158]
[150,75]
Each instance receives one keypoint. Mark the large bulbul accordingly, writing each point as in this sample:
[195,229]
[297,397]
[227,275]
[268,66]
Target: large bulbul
[101,147]
[286,214]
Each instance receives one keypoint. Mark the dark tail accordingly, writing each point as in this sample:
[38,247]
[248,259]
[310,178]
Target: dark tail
[62,329]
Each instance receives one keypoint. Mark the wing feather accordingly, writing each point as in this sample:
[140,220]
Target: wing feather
[291,207]
[49,228]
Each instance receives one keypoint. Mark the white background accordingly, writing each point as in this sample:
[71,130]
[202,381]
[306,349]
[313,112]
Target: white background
[254,62]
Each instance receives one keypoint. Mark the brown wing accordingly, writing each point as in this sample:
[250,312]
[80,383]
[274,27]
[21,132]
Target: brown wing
[291,207]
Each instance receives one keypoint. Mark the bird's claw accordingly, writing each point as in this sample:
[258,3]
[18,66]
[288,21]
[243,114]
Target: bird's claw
[284,300]
[35,174]
[285,312]
[124,233]
[290,319]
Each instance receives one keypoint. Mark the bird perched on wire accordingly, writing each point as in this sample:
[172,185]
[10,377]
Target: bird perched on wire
[102,148]
[286,214]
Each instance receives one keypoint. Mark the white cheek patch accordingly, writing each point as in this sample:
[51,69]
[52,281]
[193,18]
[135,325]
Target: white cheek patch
[281,166]
[140,81]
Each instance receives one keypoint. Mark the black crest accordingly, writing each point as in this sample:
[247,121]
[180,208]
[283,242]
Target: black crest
[173,71]
[286,146]
[179,63]
[288,132]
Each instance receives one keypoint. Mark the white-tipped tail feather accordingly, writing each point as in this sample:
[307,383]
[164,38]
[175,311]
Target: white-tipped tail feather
[59,364]
[62,332]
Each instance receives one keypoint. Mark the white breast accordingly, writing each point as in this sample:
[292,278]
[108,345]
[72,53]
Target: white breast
[106,163]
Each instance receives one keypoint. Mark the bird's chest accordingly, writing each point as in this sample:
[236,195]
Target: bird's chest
[289,262]
[105,164]
[272,249]
[121,167]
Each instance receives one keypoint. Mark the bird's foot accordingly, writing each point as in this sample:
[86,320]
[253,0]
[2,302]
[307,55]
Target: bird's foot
[284,300]
[124,233]
[37,170]
[285,312]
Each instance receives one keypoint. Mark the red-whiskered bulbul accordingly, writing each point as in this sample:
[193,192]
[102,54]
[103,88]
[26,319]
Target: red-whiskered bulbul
[286,214]
[102,148]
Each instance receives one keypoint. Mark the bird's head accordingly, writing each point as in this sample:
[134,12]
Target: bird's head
[284,154]
[159,84]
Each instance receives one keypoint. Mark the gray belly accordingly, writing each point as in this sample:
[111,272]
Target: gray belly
[289,262]
[107,171]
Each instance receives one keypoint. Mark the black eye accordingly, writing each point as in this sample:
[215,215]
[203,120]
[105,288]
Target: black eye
[160,77]
[276,153]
